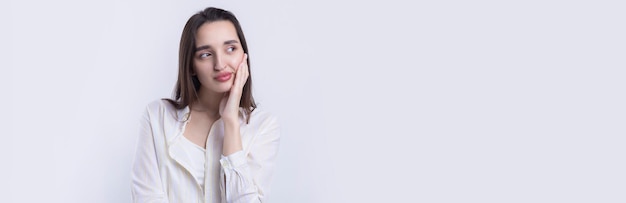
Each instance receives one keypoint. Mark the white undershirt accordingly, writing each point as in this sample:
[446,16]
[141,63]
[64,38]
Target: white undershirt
[196,158]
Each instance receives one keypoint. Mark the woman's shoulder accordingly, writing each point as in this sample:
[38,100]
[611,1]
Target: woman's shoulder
[161,107]
[261,114]
[160,104]
[262,118]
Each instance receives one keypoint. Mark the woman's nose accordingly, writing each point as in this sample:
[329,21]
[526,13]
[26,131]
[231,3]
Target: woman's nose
[219,63]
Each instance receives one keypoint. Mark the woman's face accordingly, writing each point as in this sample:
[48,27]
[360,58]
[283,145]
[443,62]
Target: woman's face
[218,55]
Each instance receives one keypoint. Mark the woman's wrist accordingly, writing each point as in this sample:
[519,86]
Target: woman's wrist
[232,137]
[231,123]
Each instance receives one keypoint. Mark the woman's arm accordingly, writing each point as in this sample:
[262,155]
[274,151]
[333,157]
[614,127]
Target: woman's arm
[247,178]
[146,183]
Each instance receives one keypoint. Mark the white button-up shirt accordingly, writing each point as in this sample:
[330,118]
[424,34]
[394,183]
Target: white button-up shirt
[162,171]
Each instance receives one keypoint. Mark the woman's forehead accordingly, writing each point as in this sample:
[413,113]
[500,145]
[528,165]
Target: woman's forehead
[215,33]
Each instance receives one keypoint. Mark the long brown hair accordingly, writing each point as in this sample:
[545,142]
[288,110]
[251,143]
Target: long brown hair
[187,85]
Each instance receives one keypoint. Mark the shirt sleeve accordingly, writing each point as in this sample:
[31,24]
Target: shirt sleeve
[247,178]
[146,183]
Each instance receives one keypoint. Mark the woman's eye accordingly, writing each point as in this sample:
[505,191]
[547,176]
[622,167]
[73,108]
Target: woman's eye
[205,55]
[230,49]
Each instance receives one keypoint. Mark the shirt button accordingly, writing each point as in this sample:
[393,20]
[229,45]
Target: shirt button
[224,164]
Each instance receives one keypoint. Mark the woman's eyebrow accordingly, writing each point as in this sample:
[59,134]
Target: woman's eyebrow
[232,41]
[203,47]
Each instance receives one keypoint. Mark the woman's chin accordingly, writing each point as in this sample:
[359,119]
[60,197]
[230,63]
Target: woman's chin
[222,88]
[219,87]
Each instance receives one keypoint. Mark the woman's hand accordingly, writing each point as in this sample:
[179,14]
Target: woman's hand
[229,105]
[229,110]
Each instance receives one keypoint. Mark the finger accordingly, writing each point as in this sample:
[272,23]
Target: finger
[237,75]
[245,77]
[241,73]
[237,82]
[243,61]
[246,74]
[244,71]
[247,71]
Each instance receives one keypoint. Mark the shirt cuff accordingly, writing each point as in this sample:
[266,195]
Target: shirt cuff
[235,160]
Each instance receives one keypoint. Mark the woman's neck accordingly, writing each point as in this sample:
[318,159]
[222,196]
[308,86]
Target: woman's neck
[208,102]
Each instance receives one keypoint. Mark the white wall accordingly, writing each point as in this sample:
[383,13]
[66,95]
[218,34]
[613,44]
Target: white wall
[380,101]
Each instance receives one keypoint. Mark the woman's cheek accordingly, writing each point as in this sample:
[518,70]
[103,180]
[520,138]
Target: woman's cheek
[234,62]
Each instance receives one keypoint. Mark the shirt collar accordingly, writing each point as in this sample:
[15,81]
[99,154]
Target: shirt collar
[182,114]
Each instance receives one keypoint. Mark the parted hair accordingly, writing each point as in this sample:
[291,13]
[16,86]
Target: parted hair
[187,85]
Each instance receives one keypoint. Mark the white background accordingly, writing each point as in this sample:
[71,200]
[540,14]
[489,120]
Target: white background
[379,101]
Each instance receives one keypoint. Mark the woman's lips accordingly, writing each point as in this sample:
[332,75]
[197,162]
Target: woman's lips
[223,77]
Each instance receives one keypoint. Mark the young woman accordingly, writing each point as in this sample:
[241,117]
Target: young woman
[210,143]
